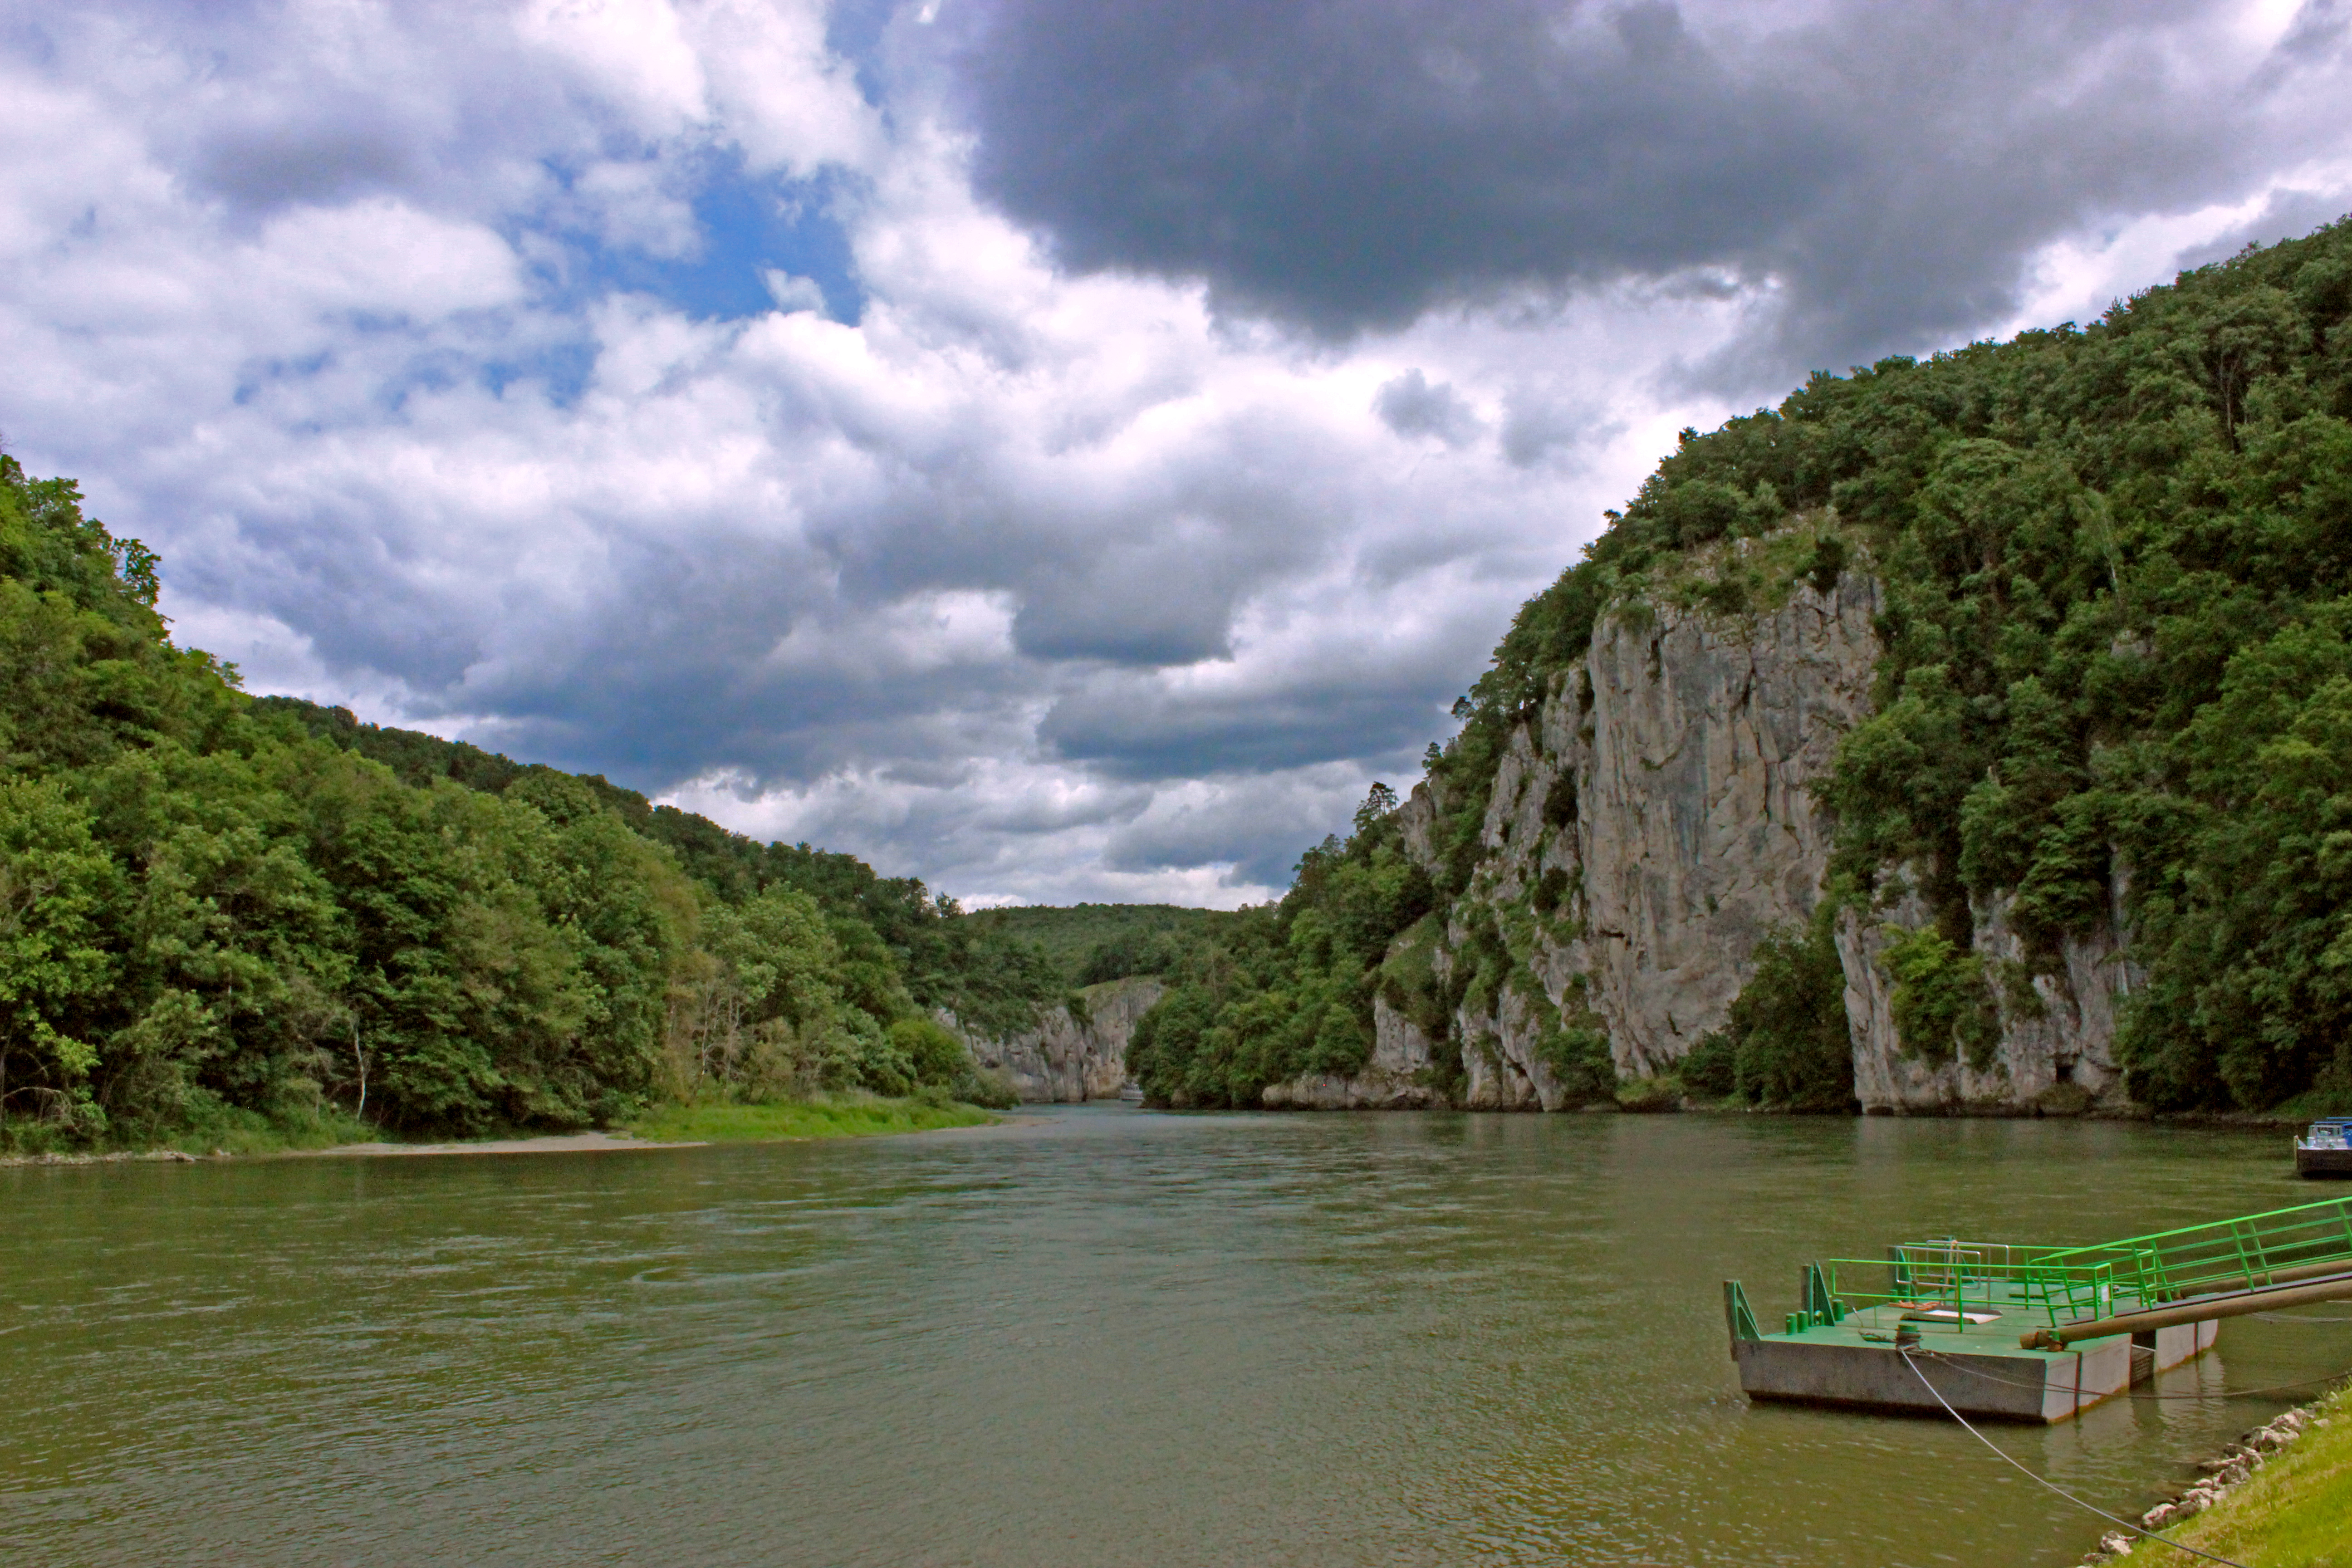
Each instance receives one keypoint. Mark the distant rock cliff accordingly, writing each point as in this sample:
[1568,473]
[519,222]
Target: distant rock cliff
[2056,1049]
[1656,819]
[1397,1078]
[1071,1055]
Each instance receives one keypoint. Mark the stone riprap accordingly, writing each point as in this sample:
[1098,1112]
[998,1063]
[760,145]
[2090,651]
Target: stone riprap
[2222,1474]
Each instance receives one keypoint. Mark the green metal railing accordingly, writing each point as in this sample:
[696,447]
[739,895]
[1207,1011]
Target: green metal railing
[1959,1287]
[1938,1286]
[2226,1255]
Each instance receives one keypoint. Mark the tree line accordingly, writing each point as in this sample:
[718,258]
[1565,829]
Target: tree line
[214,907]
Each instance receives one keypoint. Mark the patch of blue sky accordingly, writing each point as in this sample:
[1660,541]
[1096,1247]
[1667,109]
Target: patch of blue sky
[257,375]
[560,370]
[852,31]
[747,229]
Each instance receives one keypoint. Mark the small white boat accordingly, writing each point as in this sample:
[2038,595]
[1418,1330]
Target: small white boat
[2326,1149]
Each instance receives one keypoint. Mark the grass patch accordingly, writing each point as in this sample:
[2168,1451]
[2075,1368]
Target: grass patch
[844,1117]
[2332,1097]
[234,1132]
[209,1128]
[2296,1511]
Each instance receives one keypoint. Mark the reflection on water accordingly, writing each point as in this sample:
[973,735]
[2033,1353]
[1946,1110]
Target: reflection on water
[1098,1337]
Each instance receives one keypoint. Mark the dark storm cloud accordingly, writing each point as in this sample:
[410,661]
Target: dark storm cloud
[2288,214]
[1351,164]
[1136,728]
[266,166]
[1412,405]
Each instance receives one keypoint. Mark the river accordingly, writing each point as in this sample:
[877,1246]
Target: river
[1096,1336]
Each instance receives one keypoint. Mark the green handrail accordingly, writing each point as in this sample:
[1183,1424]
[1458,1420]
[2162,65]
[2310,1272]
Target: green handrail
[1939,1284]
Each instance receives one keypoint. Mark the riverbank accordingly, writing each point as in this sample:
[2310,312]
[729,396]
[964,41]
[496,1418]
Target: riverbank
[858,1116]
[2293,1509]
[664,1127]
[2277,1498]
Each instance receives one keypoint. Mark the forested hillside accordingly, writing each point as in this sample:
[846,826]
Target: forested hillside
[1090,943]
[2114,669]
[214,907]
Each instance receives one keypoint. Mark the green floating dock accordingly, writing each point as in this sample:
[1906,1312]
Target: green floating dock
[2032,1334]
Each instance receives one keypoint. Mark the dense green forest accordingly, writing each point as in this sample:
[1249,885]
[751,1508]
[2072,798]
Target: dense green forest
[2117,562]
[1289,987]
[218,909]
[1090,944]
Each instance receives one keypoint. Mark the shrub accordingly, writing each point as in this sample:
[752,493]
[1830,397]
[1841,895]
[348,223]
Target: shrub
[1788,1037]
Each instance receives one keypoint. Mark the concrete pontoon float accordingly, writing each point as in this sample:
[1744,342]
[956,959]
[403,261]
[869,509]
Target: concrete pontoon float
[2033,1333]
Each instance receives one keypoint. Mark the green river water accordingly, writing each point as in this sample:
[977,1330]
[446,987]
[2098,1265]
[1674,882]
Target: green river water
[1096,1336]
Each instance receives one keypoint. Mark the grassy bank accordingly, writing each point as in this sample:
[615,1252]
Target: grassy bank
[850,1115]
[2295,1512]
[847,1116]
[216,1130]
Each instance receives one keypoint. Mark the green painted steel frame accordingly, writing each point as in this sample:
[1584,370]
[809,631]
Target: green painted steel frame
[2063,1284]
[2249,1250]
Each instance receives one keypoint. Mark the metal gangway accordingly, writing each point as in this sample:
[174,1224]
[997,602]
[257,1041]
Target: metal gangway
[2192,1274]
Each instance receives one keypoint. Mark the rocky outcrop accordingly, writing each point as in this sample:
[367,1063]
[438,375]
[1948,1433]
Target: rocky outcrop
[1073,1054]
[1396,1077]
[2057,1027]
[1649,825]
[1698,831]
[1503,1065]
[1656,817]
[1669,783]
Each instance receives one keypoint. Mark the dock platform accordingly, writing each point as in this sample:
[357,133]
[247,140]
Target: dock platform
[2017,1333]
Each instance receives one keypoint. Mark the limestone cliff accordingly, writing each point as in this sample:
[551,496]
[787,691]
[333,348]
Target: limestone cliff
[1071,1055]
[1677,762]
[2057,1030]
[1397,1078]
[1649,824]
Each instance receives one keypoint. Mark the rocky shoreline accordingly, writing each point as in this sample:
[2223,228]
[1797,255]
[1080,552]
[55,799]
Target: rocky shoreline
[2228,1470]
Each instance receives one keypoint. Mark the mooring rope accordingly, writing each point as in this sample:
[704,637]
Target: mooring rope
[2041,1481]
[2223,1394]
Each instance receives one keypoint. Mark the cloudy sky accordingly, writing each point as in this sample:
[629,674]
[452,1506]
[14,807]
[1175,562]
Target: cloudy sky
[1061,450]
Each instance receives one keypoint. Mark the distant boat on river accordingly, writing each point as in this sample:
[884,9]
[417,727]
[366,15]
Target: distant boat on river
[2326,1149]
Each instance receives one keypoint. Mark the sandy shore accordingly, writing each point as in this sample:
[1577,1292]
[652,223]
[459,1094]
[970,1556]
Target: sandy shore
[554,1143]
[560,1144]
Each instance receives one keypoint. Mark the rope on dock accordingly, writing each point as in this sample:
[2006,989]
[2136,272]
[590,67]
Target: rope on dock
[2041,1481]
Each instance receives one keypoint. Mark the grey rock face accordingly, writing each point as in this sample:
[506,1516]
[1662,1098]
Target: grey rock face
[1691,743]
[1883,1076]
[2056,1051]
[1067,1059]
[1697,830]
[1502,1067]
[1655,819]
[1395,1079]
